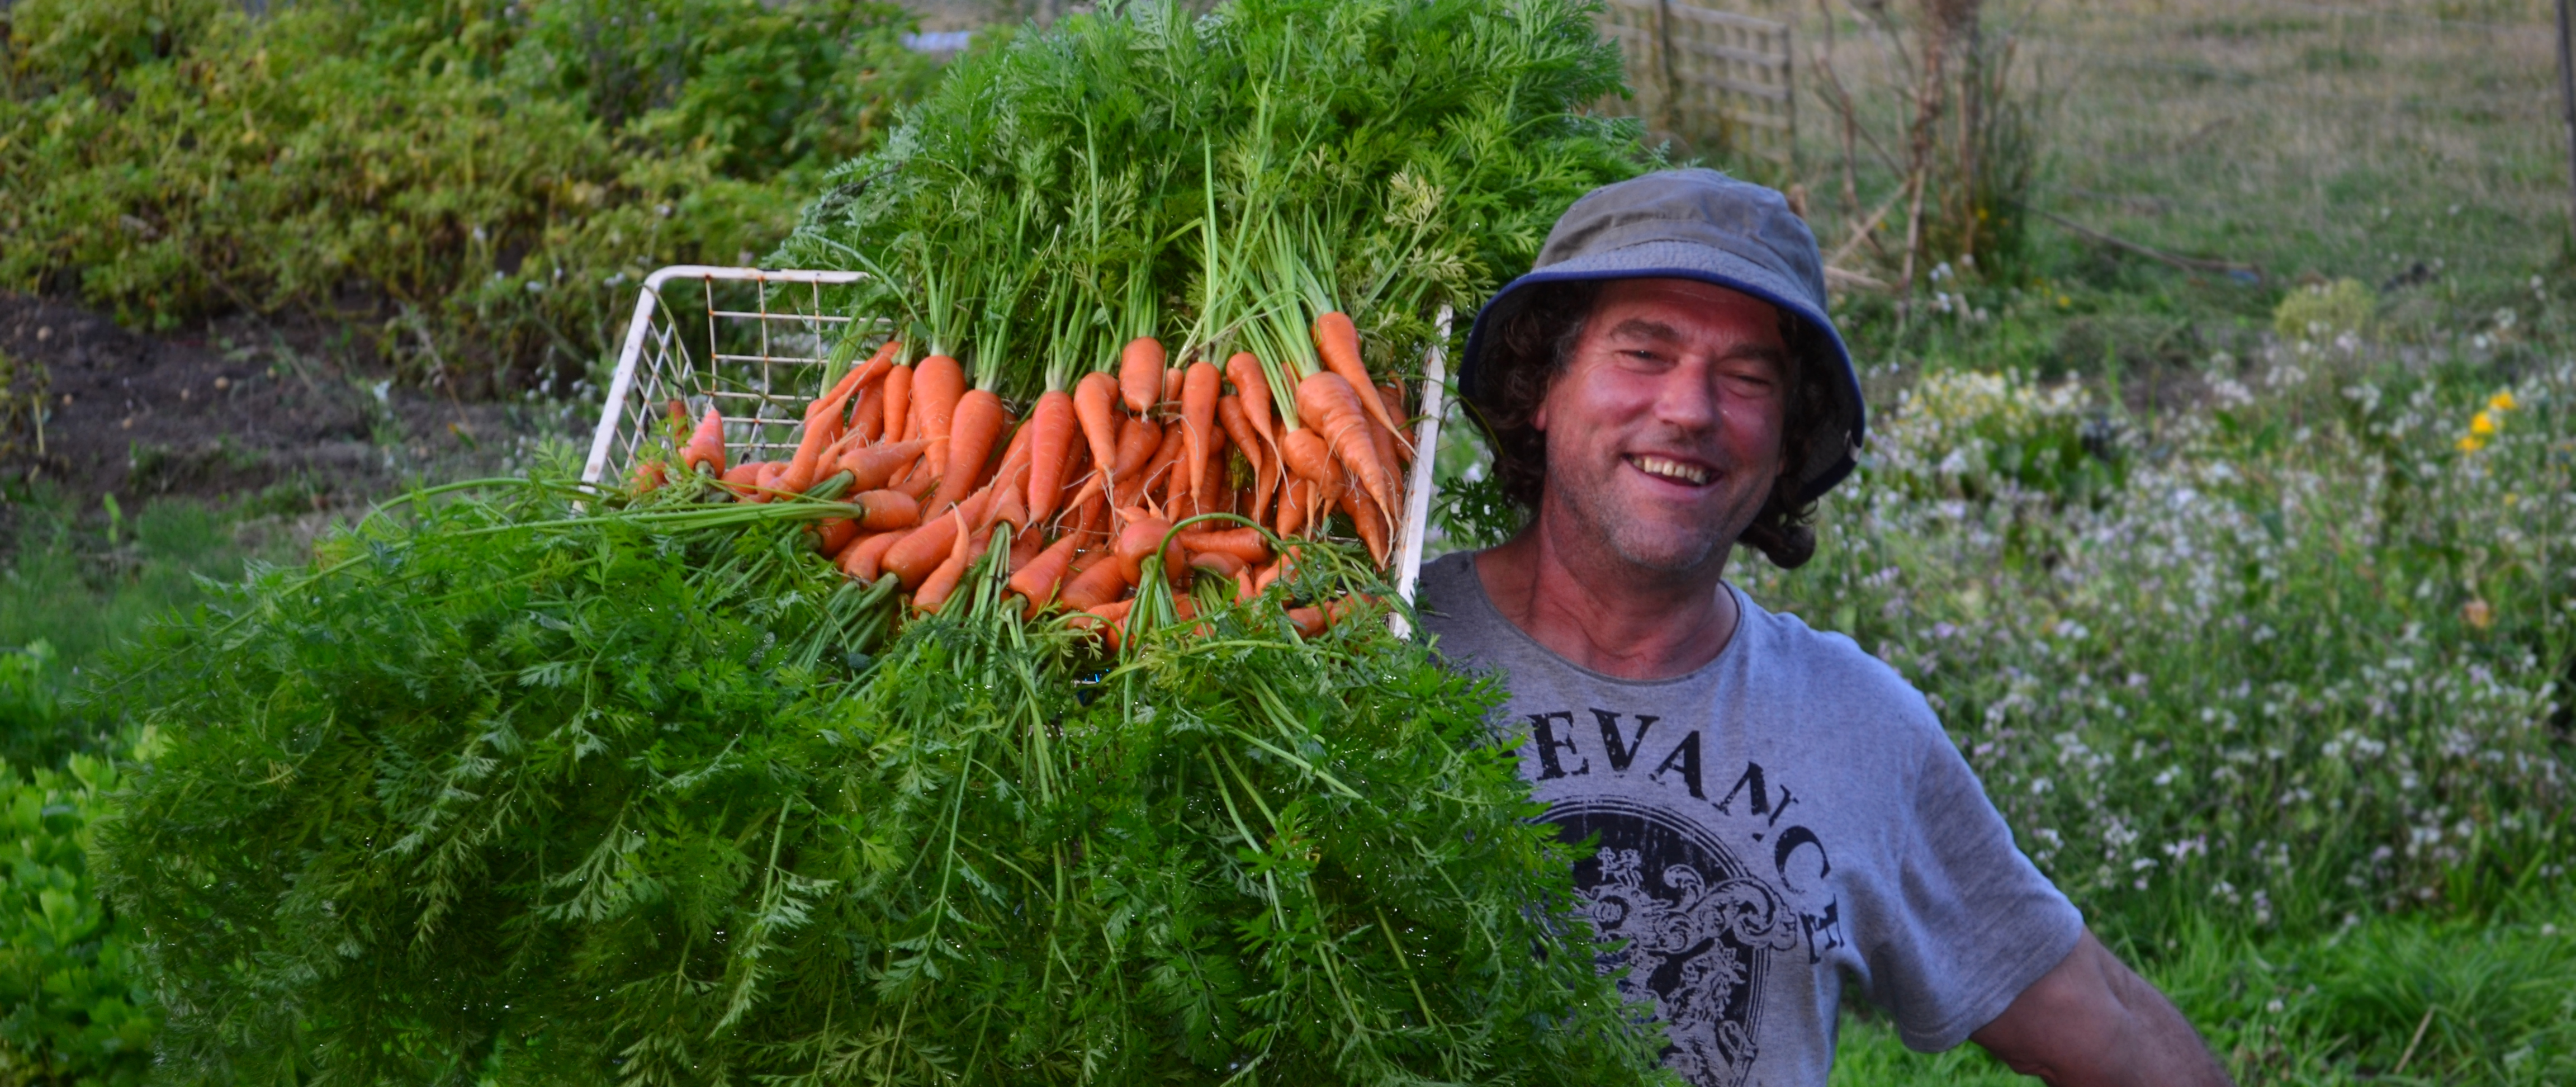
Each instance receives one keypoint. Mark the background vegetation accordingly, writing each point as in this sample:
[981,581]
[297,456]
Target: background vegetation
[2232,555]
[472,180]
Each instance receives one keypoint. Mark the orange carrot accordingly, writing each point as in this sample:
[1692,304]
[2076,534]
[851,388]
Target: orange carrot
[868,419]
[1211,483]
[1243,590]
[1138,540]
[1172,380]
[865,559]
[833,534]
[1337,341]
[1081,481]
[1007,506]
[764,483]
[1132,488]
[1137,442]
[835,398]
[886,510]
[1238,426]
[1011,471]
[935,588]
[1308,621]
[874,466]
[1051,429]
[707,446]
[1217,562]
[1245,544]
[821,430]
[918,479]
[1091,516]
[1025,547]
[938,383]
[1393,395]
[1381,440]
[1254,385]
[1095,402]
[1038,580]
[1307,455]
[977,421]
[898,403]
[866,375]
[920,553]
[647,477]
[1199,388]
[1292,506]
[1110,620]
[675,421]
[1365,516]
[1333,405]
[1140,373]
[742,477]
[1079,504]
[1096,584]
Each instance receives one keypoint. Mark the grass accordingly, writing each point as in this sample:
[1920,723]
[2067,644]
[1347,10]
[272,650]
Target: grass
[75,585]
[2489,998]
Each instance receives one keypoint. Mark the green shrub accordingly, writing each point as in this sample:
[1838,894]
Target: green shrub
[481,178]
[2301,658]
[74,1006]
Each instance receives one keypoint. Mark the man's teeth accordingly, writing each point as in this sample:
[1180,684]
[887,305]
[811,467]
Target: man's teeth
[1670,469]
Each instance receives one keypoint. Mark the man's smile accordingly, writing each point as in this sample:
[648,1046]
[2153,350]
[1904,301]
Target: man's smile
[1671,470]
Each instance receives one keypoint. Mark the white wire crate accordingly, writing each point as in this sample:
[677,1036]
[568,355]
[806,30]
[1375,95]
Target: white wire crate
[754,349]
[754,343]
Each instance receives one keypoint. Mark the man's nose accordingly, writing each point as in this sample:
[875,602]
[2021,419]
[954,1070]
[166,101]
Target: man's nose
[1686,397]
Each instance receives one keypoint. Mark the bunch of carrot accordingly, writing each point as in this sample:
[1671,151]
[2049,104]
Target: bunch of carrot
[1089,485]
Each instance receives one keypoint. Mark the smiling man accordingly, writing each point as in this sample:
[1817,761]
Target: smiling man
[1773,810]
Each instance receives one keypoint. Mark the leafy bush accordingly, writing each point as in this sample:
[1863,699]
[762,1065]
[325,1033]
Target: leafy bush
[477,179]
[2303,660]
[74,1006]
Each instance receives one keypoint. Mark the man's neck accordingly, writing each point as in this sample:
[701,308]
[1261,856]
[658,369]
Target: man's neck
[1610,616]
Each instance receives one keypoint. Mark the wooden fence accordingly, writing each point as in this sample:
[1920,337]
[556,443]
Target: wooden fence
[1711,80]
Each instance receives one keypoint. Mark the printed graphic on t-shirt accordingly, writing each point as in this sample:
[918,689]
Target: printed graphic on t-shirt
[1700,931]
[1701,928]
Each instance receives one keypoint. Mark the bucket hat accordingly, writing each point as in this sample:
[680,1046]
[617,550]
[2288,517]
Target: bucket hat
[1703,225]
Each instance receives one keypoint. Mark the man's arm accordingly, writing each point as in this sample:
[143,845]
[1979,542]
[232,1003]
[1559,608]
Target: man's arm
[2093,1021]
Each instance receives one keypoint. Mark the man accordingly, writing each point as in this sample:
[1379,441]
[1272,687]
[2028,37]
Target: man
[1774,810]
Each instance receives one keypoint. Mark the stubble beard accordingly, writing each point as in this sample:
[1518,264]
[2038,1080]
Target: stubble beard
[1599,525]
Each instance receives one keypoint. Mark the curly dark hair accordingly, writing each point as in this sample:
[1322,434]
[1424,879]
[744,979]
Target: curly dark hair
[1532,345]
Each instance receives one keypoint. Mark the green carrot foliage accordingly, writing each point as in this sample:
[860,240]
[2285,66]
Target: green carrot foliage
[521,792]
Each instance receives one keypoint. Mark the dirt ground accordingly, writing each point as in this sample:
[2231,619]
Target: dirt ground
[243,406]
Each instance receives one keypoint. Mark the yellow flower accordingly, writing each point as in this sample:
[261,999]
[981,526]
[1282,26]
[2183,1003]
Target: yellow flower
[2061,300]
[2472,443]
[2482,424]
[2502,401]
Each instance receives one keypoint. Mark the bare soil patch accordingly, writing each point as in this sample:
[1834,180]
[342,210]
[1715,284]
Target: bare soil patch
[243,406]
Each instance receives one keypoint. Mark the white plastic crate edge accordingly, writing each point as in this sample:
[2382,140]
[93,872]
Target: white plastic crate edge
[639,330]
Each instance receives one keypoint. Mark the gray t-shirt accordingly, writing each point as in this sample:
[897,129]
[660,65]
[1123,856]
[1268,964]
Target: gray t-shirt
[1789,813]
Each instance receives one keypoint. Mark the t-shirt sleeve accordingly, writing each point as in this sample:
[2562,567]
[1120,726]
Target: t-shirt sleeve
[1969,922]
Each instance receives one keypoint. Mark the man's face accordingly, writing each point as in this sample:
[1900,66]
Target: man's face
[1663,433]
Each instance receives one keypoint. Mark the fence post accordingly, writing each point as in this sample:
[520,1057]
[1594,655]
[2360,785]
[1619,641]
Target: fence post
[2567,104]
